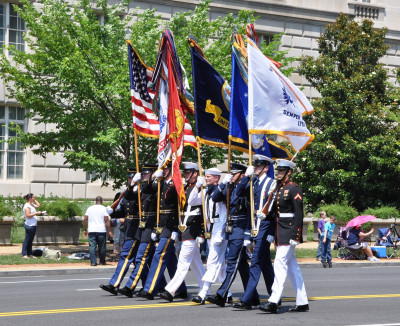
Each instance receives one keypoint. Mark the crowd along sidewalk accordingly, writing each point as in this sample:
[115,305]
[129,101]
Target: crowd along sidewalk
[112,259]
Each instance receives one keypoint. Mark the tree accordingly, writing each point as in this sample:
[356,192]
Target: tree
[75,77]
[356,152]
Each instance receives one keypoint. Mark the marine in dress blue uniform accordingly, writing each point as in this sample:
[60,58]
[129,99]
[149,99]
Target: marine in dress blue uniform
[128,211]
[261,259]
[288,211]
[164,255]
[237,234]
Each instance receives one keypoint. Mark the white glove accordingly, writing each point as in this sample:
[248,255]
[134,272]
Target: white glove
[137,177]
[154,236]
[109,210]
[293,243]
[246,243]
[261,215]
[270,238]
[158,174]
[249,171]
[199,240]
[174,235]
[227,179]
[200,182]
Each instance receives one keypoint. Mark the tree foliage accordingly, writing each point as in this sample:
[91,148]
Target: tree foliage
[356,152]
[75,80]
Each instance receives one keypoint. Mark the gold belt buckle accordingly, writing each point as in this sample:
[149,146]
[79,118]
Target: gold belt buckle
[159,229]
[182,228]
[228,229]
[207,235]
[142,224]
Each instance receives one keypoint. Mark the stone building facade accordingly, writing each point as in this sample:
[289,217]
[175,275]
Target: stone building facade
[302,21]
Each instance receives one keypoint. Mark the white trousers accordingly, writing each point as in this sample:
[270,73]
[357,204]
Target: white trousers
[216,266]
[189,256]
[286,264]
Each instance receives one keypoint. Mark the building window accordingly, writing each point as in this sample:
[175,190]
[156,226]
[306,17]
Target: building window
[264,38]
[11,154]
[12,27]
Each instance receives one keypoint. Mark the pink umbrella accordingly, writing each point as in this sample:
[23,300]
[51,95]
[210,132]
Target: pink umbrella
[360,220]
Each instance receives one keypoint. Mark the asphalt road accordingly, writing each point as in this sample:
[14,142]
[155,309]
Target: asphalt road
[342,296]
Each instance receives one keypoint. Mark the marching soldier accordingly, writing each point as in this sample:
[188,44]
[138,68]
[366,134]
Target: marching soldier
[261,259]
[237,234]
[128,214]
[166,233]
[216,220]
[143,234]
[288,211]
[191,234]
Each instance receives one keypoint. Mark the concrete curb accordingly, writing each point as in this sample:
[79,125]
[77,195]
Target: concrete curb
[110,269]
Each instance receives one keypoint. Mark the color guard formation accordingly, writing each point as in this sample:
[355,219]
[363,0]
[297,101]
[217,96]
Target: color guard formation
[160,235]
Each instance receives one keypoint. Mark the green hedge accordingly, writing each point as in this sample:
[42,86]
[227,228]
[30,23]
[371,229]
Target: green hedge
[6,208]
[384,212]
[343,211]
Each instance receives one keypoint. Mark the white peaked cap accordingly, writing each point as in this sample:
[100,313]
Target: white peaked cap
[190,165]
[213,171]
[259,157]
[285,164]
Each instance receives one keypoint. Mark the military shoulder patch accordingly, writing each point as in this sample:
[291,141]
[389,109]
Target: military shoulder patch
[298,196]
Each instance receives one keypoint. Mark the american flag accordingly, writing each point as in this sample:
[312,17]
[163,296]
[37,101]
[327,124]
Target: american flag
[145,122]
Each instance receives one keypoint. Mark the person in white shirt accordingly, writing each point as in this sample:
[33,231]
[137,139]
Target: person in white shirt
[30,214]
[216,221]
[94,226]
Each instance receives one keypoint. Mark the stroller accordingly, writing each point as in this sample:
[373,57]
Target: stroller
[385,239]
[344,250]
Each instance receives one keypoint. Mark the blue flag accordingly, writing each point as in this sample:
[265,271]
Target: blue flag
[211,98]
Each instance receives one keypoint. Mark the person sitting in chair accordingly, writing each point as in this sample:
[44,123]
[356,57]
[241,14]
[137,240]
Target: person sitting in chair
[355,238]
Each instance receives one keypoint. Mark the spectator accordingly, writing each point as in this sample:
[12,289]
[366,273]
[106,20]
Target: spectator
[96,221]
[355,238]
[321,227]
[326,242]
[30,224]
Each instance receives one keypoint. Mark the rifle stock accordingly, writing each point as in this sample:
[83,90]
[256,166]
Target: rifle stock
[270,197]
[115,204]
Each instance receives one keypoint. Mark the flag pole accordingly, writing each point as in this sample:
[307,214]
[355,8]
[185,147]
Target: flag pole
[172,168]
[137,171]
[207,234]
[228,217]
[254,232]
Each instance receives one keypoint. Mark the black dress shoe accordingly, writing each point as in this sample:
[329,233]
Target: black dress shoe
[102,264]
[198,299]
[146,295]
[109,288]
[242,305]
[135,293]
[166,296]
[211,298]
[126,292]
[330,264]
[181,295]
[93,264]
[218,300]
[229,301]
[324,264]
[255,303]
[269,307]
[300,308]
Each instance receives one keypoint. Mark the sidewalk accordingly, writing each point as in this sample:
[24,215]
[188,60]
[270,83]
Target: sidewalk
[112,259]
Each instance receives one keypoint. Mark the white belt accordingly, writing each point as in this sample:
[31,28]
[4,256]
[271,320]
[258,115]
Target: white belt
[194,212]
[286,214]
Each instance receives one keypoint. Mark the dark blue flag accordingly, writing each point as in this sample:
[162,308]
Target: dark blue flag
[211,98]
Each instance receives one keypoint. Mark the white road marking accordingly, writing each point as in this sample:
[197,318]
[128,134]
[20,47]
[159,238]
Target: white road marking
[63,280]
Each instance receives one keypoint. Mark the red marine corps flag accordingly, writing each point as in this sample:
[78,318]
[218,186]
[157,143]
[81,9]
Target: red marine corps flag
[172,110]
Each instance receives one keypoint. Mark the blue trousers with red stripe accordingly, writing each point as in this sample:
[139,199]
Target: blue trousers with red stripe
[164,257]
[128,254]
